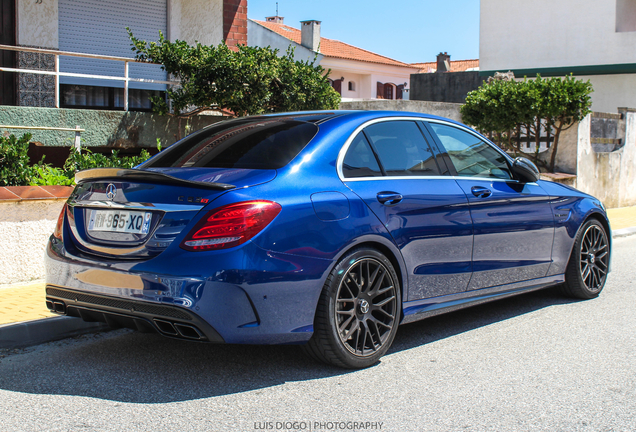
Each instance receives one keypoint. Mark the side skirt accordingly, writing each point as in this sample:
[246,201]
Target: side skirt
[419,309]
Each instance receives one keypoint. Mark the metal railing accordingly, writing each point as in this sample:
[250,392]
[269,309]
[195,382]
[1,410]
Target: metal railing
[77,130]
[126,78]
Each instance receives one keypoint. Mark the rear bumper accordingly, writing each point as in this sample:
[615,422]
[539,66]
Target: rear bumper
[169,321]
[246,295]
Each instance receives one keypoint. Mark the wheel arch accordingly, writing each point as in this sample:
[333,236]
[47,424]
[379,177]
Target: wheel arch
[391,252]
[604,221]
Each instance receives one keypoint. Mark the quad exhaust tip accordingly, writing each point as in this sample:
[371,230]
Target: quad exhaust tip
[56,306]
[168,328]
[178,329]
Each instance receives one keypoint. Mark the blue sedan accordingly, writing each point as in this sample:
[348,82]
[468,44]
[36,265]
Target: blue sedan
[325,229]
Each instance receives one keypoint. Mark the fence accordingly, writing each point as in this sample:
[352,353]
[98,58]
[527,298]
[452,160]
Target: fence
[77,130]
[126,78]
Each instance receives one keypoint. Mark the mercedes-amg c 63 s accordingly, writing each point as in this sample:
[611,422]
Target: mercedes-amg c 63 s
[325,229]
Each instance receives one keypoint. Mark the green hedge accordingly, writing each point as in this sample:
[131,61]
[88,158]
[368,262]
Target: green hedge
[16,169]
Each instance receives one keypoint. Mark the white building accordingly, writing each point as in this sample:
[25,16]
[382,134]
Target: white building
[593,39]
[355,73]
[99,27]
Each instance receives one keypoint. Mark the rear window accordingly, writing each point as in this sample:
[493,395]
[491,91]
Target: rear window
[243,143]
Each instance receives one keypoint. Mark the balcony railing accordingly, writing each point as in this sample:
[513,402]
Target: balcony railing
[126,78]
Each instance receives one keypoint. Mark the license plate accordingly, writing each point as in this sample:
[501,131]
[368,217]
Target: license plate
[120,221]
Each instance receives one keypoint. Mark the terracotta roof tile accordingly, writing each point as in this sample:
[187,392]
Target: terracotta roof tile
[332,47]
[456,65]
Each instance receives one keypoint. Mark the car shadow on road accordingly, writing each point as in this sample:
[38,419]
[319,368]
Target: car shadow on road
[133,367]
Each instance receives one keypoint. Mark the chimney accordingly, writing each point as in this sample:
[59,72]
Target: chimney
[443,62]
[310,34]
[275,19]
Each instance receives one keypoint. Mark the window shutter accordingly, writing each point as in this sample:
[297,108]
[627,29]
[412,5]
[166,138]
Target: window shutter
[388,91]
[99,27]
[337,86]
[398,92]
[380,90]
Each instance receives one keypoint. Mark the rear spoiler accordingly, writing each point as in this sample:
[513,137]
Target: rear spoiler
[136,174]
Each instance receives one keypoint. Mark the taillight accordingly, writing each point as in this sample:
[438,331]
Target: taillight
[59,227]
[230,225]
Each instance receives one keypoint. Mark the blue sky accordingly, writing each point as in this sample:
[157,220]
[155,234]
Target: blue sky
[407,30]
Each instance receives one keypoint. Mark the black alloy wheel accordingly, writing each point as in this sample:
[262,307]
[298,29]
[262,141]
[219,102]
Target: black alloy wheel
[594,258]
[366,307]
[358,311]
[589,262]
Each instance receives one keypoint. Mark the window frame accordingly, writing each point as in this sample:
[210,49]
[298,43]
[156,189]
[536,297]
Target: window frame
[445,170]
[429,135]
[449,162]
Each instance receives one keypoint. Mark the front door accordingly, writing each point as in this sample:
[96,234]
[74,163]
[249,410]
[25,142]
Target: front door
[513,221]
[393,169]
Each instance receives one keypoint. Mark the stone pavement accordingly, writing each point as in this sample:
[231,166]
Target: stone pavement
[24,303]
[621,218]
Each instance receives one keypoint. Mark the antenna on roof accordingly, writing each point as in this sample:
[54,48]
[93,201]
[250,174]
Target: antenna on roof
[276,8]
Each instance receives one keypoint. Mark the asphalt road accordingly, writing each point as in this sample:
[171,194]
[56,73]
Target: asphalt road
[530,363]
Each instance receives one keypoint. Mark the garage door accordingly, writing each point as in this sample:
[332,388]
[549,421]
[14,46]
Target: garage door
[99,27]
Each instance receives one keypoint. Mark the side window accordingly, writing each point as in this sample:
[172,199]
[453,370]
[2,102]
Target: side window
[471,156]
[360,160]
[402,149]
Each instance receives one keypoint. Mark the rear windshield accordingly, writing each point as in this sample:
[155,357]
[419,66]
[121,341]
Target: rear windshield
[242,143]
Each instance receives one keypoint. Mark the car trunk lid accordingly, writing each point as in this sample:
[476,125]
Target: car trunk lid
[136,214]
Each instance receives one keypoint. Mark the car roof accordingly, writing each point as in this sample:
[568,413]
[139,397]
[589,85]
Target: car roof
[320,117]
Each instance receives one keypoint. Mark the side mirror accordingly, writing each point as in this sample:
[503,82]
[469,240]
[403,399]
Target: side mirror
[525,170]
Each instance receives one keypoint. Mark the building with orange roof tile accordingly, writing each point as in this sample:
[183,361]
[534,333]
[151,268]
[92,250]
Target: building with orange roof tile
[455,66]
[356,73]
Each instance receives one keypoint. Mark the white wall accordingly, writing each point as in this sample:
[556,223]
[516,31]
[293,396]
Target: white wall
[196,21]
[608,176]
[189,20]
[612,91]
[25,228]
[516,34]
[260,36]
[37,23]
[367,73]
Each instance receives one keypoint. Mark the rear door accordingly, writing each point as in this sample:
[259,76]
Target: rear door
[391,166]
[513,222]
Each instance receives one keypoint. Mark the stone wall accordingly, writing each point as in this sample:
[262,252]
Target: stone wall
[113,128]
[605,166]
[442,109]
[609,176]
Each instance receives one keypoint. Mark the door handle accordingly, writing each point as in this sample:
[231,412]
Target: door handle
[389,198]
[480,192]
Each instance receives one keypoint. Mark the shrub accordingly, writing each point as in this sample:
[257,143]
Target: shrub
[505,109]
[14,161]
[16,170]
[46,175]
[247,81]
[86,159]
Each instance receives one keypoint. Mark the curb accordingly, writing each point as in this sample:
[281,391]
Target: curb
[29,333]
[623,232]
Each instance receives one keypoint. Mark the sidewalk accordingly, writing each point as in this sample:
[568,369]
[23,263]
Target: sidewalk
[23,312]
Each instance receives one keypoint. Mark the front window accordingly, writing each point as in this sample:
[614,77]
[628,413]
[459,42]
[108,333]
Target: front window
[471,156]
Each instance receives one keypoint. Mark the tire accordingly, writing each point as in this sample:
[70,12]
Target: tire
[587,269]
[358,311]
